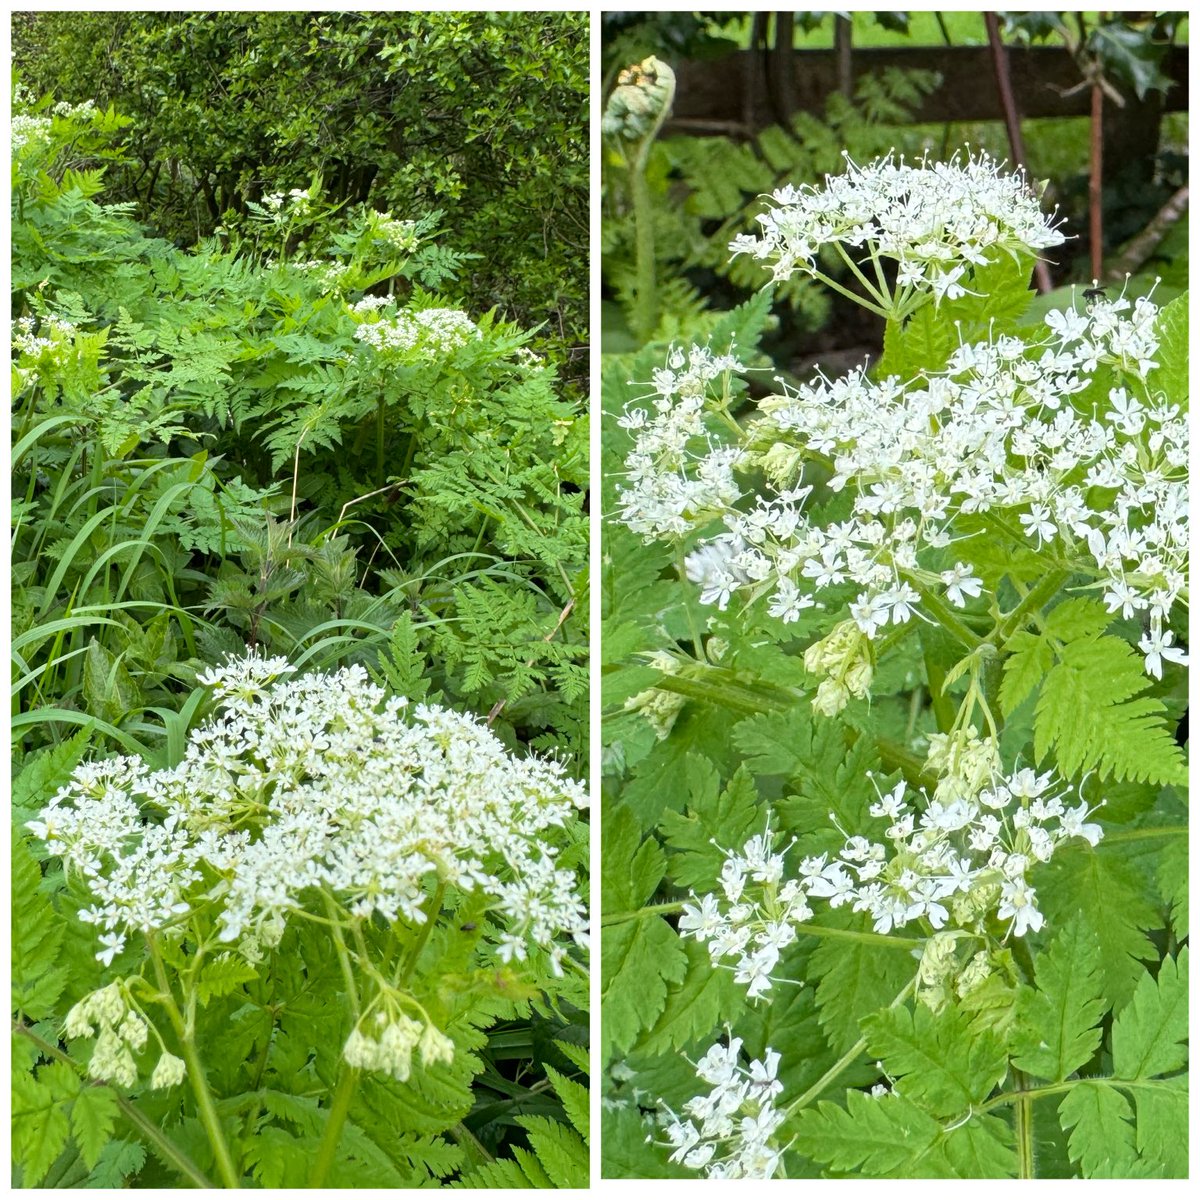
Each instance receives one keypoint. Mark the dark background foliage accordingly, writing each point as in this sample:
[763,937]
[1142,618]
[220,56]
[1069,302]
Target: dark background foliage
[477,114]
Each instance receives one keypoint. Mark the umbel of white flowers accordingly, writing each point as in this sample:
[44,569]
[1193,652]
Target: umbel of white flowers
[995,432]
[958,860]
[936,221]
[318,785]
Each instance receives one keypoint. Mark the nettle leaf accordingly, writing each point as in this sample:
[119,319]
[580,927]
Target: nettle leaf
[1107,890]
[881,1136]
[712,821]
[1099,1120]
[1058,1020]
[937,1060]
[1148,1035]
[1087,716]
[640,960]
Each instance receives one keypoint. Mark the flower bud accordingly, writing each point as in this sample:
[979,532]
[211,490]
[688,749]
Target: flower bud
[169,1071]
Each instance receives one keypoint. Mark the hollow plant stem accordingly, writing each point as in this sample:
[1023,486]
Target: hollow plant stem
[343,1095]
[198,1079]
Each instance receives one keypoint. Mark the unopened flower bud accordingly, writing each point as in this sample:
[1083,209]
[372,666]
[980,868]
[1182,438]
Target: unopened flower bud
[169,1071]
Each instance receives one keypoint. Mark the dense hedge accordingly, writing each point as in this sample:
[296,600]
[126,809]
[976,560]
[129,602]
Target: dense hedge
[482,115]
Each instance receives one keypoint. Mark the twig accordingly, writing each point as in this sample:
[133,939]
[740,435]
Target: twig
[1142,246]
[1095,182]
[1012,122]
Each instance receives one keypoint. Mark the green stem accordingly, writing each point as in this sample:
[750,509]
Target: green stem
[645,308]
[166,1149]
[738,699]
[1040,594]
[943,706]
[1137,835]
[380,409]
[842,1063]
[197,1077]
[1023,1124]
[435,907]
[940,611]
[334,1124]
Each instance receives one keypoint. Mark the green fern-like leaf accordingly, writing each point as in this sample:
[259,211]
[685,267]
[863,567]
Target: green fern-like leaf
[1149,1034]
[1059,1019]
[1087,716]
[879,1136]
[937,1059]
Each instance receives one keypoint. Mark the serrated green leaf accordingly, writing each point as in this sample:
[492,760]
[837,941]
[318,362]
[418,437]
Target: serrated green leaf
[981,1148]
[560,1151]
[937,1060]
[92,1118]
[1059,1020]
[728,818]
[39,1126]
[856,980]
[1029,658]
[1162,1128]
[221,977]
[641,958]
[1087,716]
[1173,883]
[1107,890]
[575,1100]
[117,1162]
[705,997]
[1099,1121]
[879,1136]
[1148,1035]
[631,868]
[38,976]
[1170,377]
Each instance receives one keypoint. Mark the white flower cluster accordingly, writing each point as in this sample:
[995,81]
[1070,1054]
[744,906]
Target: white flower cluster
[314,785]
[26,129]
[33,337]
[287,204]
[390,1045]
[959,856]
[737,1119]
[675,485]
[431,331]
[998,432]
[328,272]
[123,1033]
[934,219]
[400,235]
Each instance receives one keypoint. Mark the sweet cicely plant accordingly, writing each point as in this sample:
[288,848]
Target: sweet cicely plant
[312,918]
[922,851]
